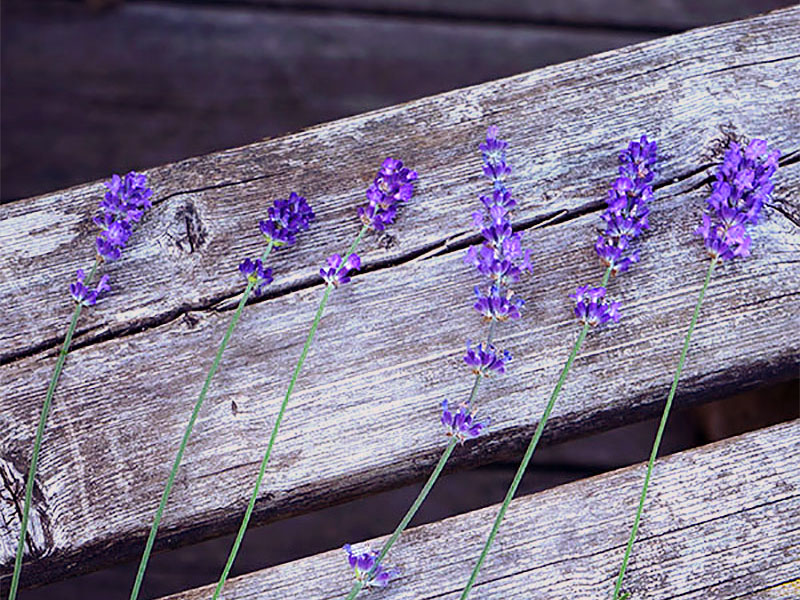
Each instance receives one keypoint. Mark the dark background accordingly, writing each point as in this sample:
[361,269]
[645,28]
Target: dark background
[91,88]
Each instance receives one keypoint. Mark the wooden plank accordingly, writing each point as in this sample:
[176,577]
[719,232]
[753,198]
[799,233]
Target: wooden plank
[659,15]
[125,395]
[722,523]
[145,84]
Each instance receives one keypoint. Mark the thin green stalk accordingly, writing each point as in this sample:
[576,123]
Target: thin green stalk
[528,453]
[148,548]
[661,426]
[263,467]
[423,494]
[37,444]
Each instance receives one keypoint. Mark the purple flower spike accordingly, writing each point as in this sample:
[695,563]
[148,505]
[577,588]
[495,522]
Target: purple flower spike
[82,294]
[593,308]
[498,304]
[462,424]
[484,361]
[338,271]
[744,183]
[392,185]
[256,274]
[363,563]
[125,202]
[287,217]
[626,215]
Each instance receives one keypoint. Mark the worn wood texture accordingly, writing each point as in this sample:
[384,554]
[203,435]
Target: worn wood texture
[146,84]
[722,523]
[364,416]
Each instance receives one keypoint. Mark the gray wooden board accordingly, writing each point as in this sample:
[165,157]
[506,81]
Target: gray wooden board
[364,416]
[722,522]
[145,84]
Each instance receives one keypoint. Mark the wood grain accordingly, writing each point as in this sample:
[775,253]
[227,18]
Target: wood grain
[722,523]
[364,416]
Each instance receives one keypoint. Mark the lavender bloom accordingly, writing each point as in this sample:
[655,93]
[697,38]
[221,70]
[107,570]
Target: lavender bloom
[626,215]
[125,202]
[462,424]
[338,271]
[744,183]
[498,304]
[485,360]
[392,185]
[500,258]
[256,273]
[363,563]
[82,294]
[287,217]
[593,308]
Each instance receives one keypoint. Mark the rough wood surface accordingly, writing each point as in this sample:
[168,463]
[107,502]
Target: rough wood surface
[722,523]
[373,382]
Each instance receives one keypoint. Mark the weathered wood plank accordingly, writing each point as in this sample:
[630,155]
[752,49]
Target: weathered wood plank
[80,99]
[722,523]
[123,401]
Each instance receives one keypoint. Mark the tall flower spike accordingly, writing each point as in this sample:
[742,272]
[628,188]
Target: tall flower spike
[393,184]
[125,202]
[367,570]
[286,218]
[626,215]
[743,183]
[742,186]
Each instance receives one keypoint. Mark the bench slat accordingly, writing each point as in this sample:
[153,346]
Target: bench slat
[722,522]
[126,393]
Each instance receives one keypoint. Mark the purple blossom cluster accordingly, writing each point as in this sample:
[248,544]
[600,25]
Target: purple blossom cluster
[393,184]
[82,294]
[286,218]
[256,273]
[462,424]
[626,214]
[743,184]
[338,271]
[363,563]
[500,258]
[484,361]
[593,308]
[125,202]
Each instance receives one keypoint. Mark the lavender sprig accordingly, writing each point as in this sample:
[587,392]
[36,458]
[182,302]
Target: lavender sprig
[286,218]
[124,204]
[743,184]
[392,185]
[625,218]
[501,260]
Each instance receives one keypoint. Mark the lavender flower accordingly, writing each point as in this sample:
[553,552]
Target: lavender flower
[82,294]
[363,563]
[593,308]
[124,204]
[485,360]
[392,185]
[256,273]
[743,184]
[500,258]
[287,217]
[626,215]
[338,271]
[462,424]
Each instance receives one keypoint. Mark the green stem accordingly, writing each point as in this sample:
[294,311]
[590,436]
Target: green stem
[263,467]
[37,444]
[661,426]
[148,548]
[423,494]
[528,453]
